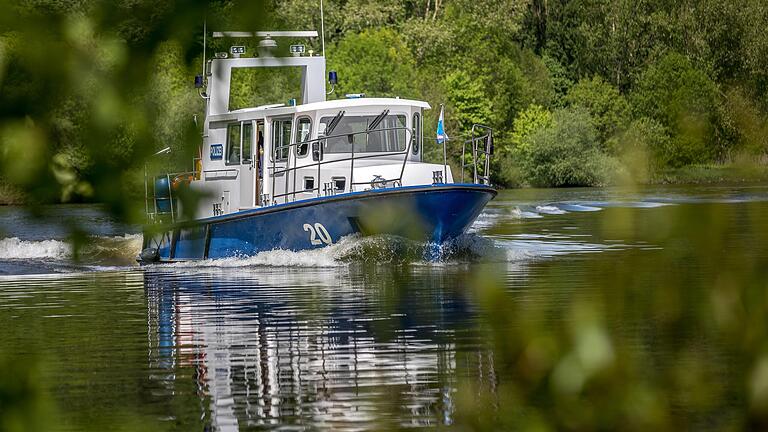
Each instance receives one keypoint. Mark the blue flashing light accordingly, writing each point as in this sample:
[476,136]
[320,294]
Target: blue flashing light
[355,95]
[333,77]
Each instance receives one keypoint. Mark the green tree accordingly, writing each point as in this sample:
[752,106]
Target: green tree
[468,102]
[527,122]
[342,17]
[641,148]
[176,103]
[567,153]
[515,147]
[561,81]
[683,99]
[746,124]
[607,107]
[375,62]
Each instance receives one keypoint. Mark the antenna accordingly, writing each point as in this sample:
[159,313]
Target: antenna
[205,34]
[322,27]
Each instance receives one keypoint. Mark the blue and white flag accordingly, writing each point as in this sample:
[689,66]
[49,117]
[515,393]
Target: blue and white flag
[442,137]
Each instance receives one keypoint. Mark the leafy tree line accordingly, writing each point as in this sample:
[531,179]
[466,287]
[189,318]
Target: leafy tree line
[89,90]
[578,92]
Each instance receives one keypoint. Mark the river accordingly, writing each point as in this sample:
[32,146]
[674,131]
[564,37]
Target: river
[552,293]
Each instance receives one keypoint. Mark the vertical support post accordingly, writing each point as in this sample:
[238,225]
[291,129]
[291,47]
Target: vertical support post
[445,150]
[319,152]
[407,153]
[488,144]
[445,161]
[287,170]
[463,165]
[146,194]
[322,33]
[273,157]
[170,197]
[295,168]
[474,157]
[352,161]
[154,196]
[205,35]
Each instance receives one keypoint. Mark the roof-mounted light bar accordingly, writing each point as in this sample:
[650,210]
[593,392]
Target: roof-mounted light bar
[296,34]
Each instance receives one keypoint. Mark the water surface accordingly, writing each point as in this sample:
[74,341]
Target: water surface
[367,335]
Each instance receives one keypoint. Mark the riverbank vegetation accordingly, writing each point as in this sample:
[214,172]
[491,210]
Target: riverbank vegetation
[578,93]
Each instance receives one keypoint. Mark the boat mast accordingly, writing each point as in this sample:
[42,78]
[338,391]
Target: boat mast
[322,28]
[205,34]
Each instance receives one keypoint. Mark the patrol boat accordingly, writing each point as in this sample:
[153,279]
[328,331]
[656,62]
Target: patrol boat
[302,175]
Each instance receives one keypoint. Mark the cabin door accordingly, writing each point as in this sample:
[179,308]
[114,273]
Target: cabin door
[247,165]
[258,161]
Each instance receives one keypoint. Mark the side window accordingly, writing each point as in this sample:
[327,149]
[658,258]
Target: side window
[233,144]
[416,133]
[247,141]
[303,134]
[260,144]
[281,138]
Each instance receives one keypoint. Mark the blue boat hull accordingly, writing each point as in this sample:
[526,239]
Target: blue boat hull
[430,213]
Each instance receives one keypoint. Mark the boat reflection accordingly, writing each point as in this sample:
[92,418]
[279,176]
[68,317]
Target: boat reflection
[328,347]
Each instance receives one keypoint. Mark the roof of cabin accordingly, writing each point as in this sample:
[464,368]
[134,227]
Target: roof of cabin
[277,109]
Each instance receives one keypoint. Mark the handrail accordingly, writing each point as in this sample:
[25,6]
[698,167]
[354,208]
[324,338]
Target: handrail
[481,142]
[275,170]
[152,216]
[486,139]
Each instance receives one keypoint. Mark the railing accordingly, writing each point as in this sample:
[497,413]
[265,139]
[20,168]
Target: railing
[163,207]
[315,148]
[481,142]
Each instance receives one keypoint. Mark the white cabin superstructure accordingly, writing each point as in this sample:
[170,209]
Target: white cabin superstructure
[306,173]
[274,154]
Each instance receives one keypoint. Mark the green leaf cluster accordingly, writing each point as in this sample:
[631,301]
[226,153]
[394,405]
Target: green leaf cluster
[566,152]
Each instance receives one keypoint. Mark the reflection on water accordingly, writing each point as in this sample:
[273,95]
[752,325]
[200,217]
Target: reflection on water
[365,334]
[319,351]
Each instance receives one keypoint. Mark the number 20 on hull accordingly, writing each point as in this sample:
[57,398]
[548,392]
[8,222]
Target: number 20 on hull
[318,234]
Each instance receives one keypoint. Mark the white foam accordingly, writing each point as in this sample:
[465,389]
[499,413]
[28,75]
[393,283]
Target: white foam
[522,214]
[280,258]
[379,249]
[13,248]
[118,249]
[550,209]
[485,220]
[580,208]
[630,204]
[103,248]
[329,256]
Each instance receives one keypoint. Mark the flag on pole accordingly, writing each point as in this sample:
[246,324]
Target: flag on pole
[442,137]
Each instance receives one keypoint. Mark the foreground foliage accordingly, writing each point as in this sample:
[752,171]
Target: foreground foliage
[579,93]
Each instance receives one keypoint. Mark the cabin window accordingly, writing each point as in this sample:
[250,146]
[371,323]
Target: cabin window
[281,138]
[247,142]
[233,144]
[339,183]
[303,134]
[350,130]
[416,143]
[309,183]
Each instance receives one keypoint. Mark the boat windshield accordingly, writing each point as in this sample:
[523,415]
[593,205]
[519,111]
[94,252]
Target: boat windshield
[384,141]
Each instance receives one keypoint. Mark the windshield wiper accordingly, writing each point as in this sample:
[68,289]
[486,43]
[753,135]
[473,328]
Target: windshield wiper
[335,122]
[375,123]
